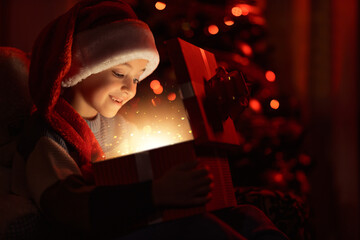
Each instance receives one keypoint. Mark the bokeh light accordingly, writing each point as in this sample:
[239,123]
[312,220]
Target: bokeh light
[270,76]
[154,84]
[160,6]
[245,48]
[274,104]
[245,10]
[228,21]
[236,11]
[255,105]
[213,29]
[158,90]
[171,96]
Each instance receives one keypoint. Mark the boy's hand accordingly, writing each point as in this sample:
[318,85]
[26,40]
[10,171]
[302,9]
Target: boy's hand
[184,185]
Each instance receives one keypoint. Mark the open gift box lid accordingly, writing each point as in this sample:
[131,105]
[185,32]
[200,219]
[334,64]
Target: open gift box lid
[193,66]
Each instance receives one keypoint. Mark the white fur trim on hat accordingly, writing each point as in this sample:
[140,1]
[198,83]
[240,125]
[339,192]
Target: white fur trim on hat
[98,49]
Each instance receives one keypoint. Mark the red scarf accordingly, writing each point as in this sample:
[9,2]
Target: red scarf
[74,129]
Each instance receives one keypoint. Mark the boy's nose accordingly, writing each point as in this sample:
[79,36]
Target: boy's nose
[129,86]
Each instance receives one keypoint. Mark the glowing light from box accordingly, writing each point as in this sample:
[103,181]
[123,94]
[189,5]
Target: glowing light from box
[270,76]
[213,29]
[153,123]
[160,6]
[274,104]
[236,11]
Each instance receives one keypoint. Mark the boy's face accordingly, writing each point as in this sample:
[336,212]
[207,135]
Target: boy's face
[106,92]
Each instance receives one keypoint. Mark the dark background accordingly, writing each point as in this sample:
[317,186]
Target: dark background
[312,46]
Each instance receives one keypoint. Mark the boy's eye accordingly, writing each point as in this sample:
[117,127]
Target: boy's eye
[118,75]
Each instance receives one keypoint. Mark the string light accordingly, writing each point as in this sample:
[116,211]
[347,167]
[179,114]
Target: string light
[228,21]
[274,104]
[236,11]
[245,48]
[255,105]
[160,6]
[270,76]
[154,84]
[158,90]
[213,29]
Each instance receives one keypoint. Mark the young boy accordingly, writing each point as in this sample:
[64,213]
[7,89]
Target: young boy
[85,66]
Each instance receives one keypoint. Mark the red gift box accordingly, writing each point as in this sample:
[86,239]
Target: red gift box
[192,66]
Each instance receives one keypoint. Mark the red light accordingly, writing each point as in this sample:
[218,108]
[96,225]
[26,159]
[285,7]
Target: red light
[158,90]
[213,29]
[278,177]
[236,11]
[255,105]
[160,6]
[245,48]
[245,10]
[274,104]
[155,84]
[171,96]
[270,76]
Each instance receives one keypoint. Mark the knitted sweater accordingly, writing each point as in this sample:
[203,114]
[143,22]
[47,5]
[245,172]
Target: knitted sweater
[54,181]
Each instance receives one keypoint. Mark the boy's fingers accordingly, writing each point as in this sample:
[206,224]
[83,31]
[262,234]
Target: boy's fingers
[187,165]
[201,182]
[203,192]
[202,200]
[199,173]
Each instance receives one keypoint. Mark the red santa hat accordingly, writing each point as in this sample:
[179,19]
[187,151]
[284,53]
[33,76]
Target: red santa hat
[92,36]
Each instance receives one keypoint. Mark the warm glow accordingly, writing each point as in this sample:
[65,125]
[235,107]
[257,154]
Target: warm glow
[156,101]
[158,90]
[150,127]
[171,96]
[255,105]
[154,84]
[160,6]
[236,11]
[274,104]
[213,29]
[270,76]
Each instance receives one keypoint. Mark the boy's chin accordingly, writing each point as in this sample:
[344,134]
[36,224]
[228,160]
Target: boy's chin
[108,115]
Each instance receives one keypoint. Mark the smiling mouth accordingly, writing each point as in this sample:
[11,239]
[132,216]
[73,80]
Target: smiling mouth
[116,100]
